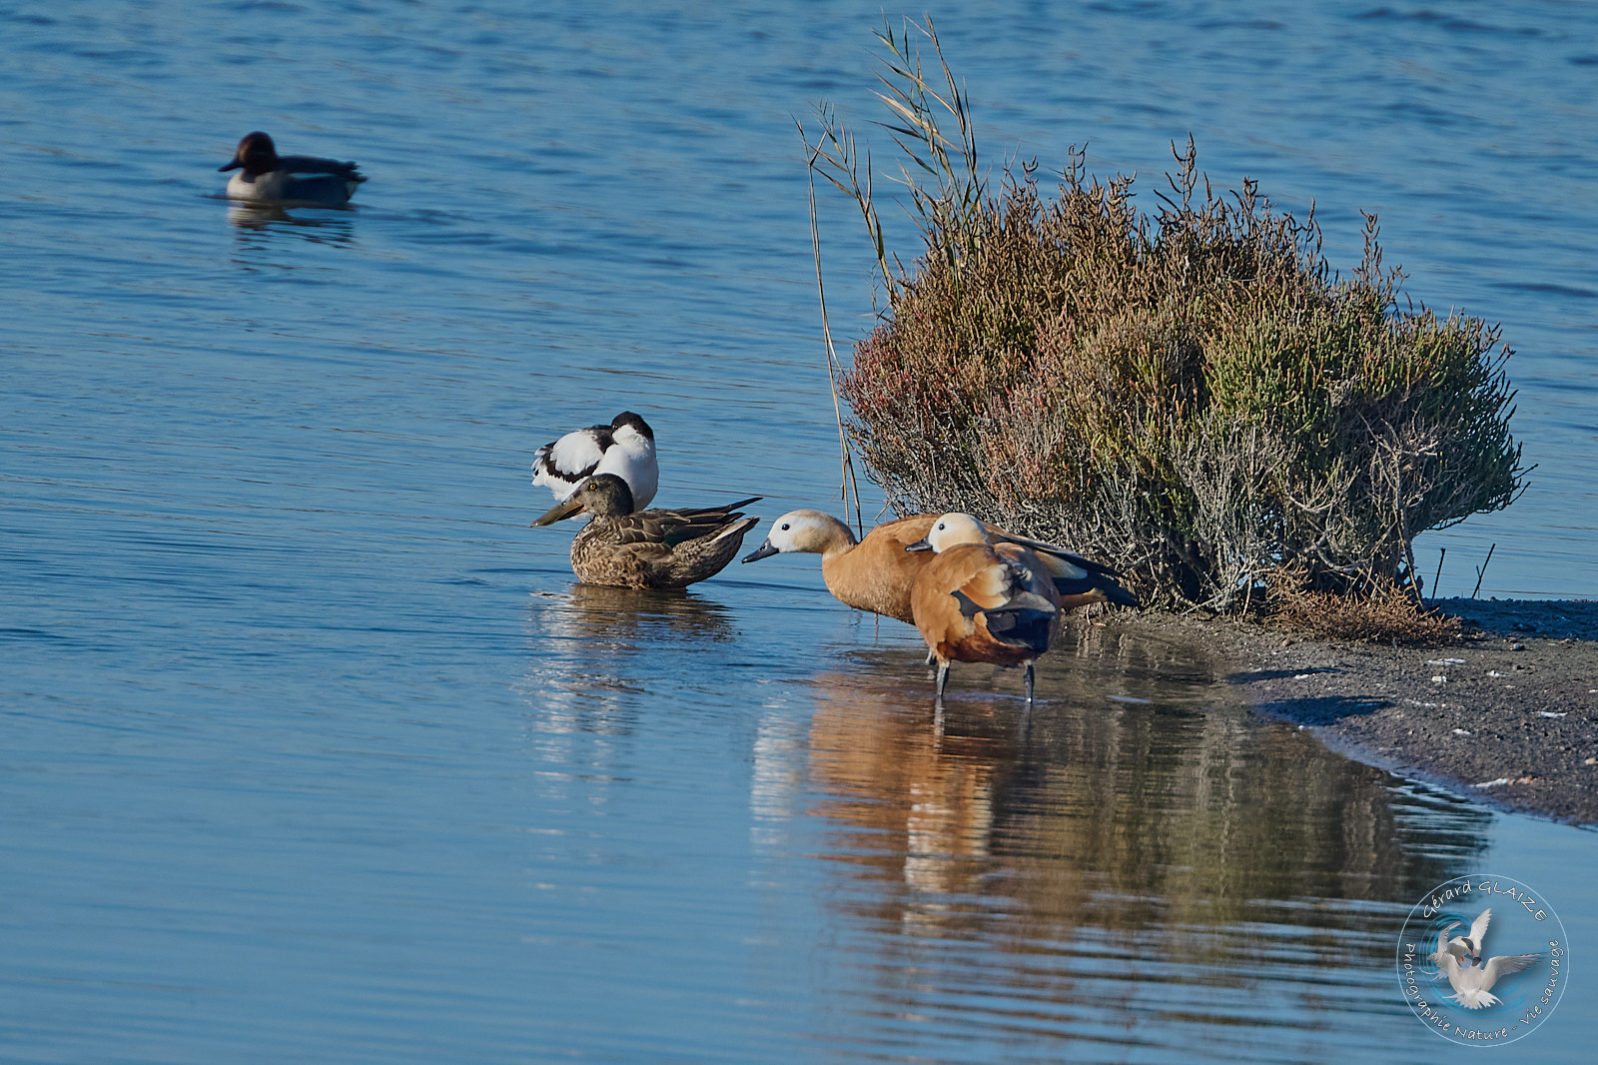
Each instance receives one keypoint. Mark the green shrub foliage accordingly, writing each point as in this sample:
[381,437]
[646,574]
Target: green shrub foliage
[1191,395]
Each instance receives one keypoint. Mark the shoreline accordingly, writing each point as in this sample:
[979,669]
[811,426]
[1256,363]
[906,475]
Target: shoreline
[1507,716]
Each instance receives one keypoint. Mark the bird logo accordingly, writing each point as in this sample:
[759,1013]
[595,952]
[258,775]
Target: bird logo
[1460,959]
[1454,971]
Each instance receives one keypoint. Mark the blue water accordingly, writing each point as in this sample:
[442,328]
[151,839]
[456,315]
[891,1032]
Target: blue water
[313,751]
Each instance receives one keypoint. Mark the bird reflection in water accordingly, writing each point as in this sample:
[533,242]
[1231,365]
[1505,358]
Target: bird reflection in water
[591,640]
[602,617]
[1175,827]
[926,802]
[255,223]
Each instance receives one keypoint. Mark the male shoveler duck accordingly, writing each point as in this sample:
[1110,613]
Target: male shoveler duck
[877,574]
[978,601]
[648,548]
[266,177]
[625,447]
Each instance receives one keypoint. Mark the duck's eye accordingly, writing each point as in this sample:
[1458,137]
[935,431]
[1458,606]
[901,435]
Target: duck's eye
[786,526]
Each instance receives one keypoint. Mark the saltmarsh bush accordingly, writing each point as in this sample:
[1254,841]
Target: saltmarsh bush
[1191,394]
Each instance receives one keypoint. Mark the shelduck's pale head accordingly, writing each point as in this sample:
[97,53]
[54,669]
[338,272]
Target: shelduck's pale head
[951,530]
[803,531]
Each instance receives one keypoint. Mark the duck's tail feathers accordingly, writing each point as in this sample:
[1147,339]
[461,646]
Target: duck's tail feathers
[1091,583]
[1118,595]
[737,529]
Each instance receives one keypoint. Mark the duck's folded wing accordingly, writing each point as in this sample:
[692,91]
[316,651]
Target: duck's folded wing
[311,164]
[1070,578]
[643,527]
[680,526]
[673,527]
[1059,553]
[1022,608]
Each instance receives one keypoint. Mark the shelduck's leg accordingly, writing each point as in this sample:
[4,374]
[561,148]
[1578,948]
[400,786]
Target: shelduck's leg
[937,707]
[1029,685]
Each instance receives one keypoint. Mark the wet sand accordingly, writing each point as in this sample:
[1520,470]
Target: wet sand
[1508,715]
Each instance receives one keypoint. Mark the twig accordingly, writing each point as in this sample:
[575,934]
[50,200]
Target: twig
[847,474]
[835,157]
[1438,576]
[1482,570]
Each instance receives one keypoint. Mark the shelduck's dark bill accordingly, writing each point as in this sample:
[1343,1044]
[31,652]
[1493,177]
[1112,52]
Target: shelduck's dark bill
[919,545]
[765,550]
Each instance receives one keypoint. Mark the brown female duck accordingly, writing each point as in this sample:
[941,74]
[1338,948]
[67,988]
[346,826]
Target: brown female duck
[650,548]
[877,574]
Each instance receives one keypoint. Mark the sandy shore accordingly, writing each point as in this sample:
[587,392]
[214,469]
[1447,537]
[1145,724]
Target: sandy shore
[1509,715]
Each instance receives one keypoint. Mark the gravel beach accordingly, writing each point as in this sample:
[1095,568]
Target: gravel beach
[1508,715]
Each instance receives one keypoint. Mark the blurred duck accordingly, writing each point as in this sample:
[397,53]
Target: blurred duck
[625,447]
[977,601]
[877,573]
[265,176]
[648,548]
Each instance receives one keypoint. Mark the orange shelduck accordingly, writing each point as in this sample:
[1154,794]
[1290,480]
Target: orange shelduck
[877,573]
[978,601]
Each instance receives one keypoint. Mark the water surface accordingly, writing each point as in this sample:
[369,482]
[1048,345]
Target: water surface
[314,751]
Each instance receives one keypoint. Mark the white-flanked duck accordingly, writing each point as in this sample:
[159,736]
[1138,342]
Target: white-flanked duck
[629,548]
[877,574]
[266,177]
[625,447]
[978,601]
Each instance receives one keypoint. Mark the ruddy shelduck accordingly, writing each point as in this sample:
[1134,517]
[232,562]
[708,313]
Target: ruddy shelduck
[877,573]
[647,548]
[978,601]
[625,447]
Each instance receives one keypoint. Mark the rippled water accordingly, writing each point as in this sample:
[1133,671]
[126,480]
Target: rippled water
[313,750]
